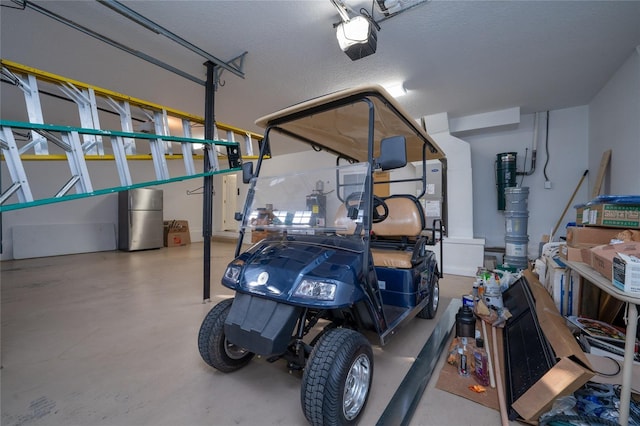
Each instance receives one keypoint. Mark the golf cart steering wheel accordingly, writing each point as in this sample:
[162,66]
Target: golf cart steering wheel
[355,200]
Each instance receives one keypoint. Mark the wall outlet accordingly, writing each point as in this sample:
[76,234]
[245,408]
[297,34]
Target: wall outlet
[547,184]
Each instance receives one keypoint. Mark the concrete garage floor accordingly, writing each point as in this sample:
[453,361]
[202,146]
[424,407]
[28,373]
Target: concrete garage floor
[111,339]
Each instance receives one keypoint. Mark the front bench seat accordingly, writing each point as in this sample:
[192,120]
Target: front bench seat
[400,244]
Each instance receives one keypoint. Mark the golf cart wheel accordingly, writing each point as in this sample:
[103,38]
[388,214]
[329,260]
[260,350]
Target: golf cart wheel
[214,348]
[337,378]
[430,310]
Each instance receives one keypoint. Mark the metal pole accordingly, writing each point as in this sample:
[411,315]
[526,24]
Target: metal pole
[207,198]
[152,26]
[112,42]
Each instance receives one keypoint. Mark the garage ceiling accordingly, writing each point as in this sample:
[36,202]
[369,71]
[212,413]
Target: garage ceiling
[461,57]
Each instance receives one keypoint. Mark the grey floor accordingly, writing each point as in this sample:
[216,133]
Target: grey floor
[110,339]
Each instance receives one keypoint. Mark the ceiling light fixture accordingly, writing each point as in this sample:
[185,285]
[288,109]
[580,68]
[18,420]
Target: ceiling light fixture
[396,89]
[357,36]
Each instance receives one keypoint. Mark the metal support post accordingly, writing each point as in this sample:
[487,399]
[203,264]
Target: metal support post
[29,87]
[120,156]
[248,147]
[158,146]
[16,169]
[161,126]
[85,99]
[124,110]
[187,149]
[207,198]
[77,164]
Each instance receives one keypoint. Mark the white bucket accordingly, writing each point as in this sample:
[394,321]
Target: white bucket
[516,198]
[516,251]
[516,245]
[516,223]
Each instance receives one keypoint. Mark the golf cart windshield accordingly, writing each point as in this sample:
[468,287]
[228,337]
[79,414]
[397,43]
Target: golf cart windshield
[310,202]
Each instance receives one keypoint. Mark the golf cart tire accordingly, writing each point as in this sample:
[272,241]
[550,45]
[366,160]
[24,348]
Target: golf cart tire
[429,311]
[342,357]
[212,342]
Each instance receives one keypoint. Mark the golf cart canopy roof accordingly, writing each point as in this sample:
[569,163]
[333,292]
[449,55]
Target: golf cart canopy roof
[339,123]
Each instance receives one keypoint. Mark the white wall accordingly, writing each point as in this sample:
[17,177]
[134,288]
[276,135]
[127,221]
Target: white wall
[577,138]
[463,253]
[614,123]
[103,209]
[567,161]
[459,222]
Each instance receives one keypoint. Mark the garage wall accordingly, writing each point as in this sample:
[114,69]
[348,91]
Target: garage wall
[567,140]
[99,210]
[614,123]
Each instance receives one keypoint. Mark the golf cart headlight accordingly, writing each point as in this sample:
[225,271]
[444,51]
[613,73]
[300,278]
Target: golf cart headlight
[232,273]
[313,289]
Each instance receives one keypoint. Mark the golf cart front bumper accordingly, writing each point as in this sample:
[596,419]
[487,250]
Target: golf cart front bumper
[260,325]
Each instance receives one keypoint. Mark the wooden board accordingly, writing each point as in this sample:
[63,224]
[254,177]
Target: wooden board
[604,164]
[450,381]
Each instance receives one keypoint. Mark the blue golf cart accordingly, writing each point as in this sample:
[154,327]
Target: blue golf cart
[340,253]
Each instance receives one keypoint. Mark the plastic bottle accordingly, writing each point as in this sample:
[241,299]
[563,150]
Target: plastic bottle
[463,358]
[476,285]
[492,293]
[481,362]
[465,322]
[481,289]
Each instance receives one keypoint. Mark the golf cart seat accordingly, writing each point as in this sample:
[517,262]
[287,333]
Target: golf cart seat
[396,241]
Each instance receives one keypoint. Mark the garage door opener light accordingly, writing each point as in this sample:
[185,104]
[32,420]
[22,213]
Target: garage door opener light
[357,36]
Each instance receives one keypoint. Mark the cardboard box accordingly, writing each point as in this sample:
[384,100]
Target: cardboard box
[626,273]
[572,369]
[176,233]
[577,235]
[602,256]
[565,290]
[554,280]
[579,253]
[627,235]
[614,215]
[582,214]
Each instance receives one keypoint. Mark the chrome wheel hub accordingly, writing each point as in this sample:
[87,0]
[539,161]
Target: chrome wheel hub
[356,387]
[436,296]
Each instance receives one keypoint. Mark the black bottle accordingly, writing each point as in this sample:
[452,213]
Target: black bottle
[465,322]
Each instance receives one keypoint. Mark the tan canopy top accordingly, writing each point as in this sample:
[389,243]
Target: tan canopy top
[339,122]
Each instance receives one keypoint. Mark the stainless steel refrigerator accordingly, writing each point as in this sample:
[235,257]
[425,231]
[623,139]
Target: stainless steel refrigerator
[140,219]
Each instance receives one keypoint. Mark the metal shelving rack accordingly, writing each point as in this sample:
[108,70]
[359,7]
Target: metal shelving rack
[632,301]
